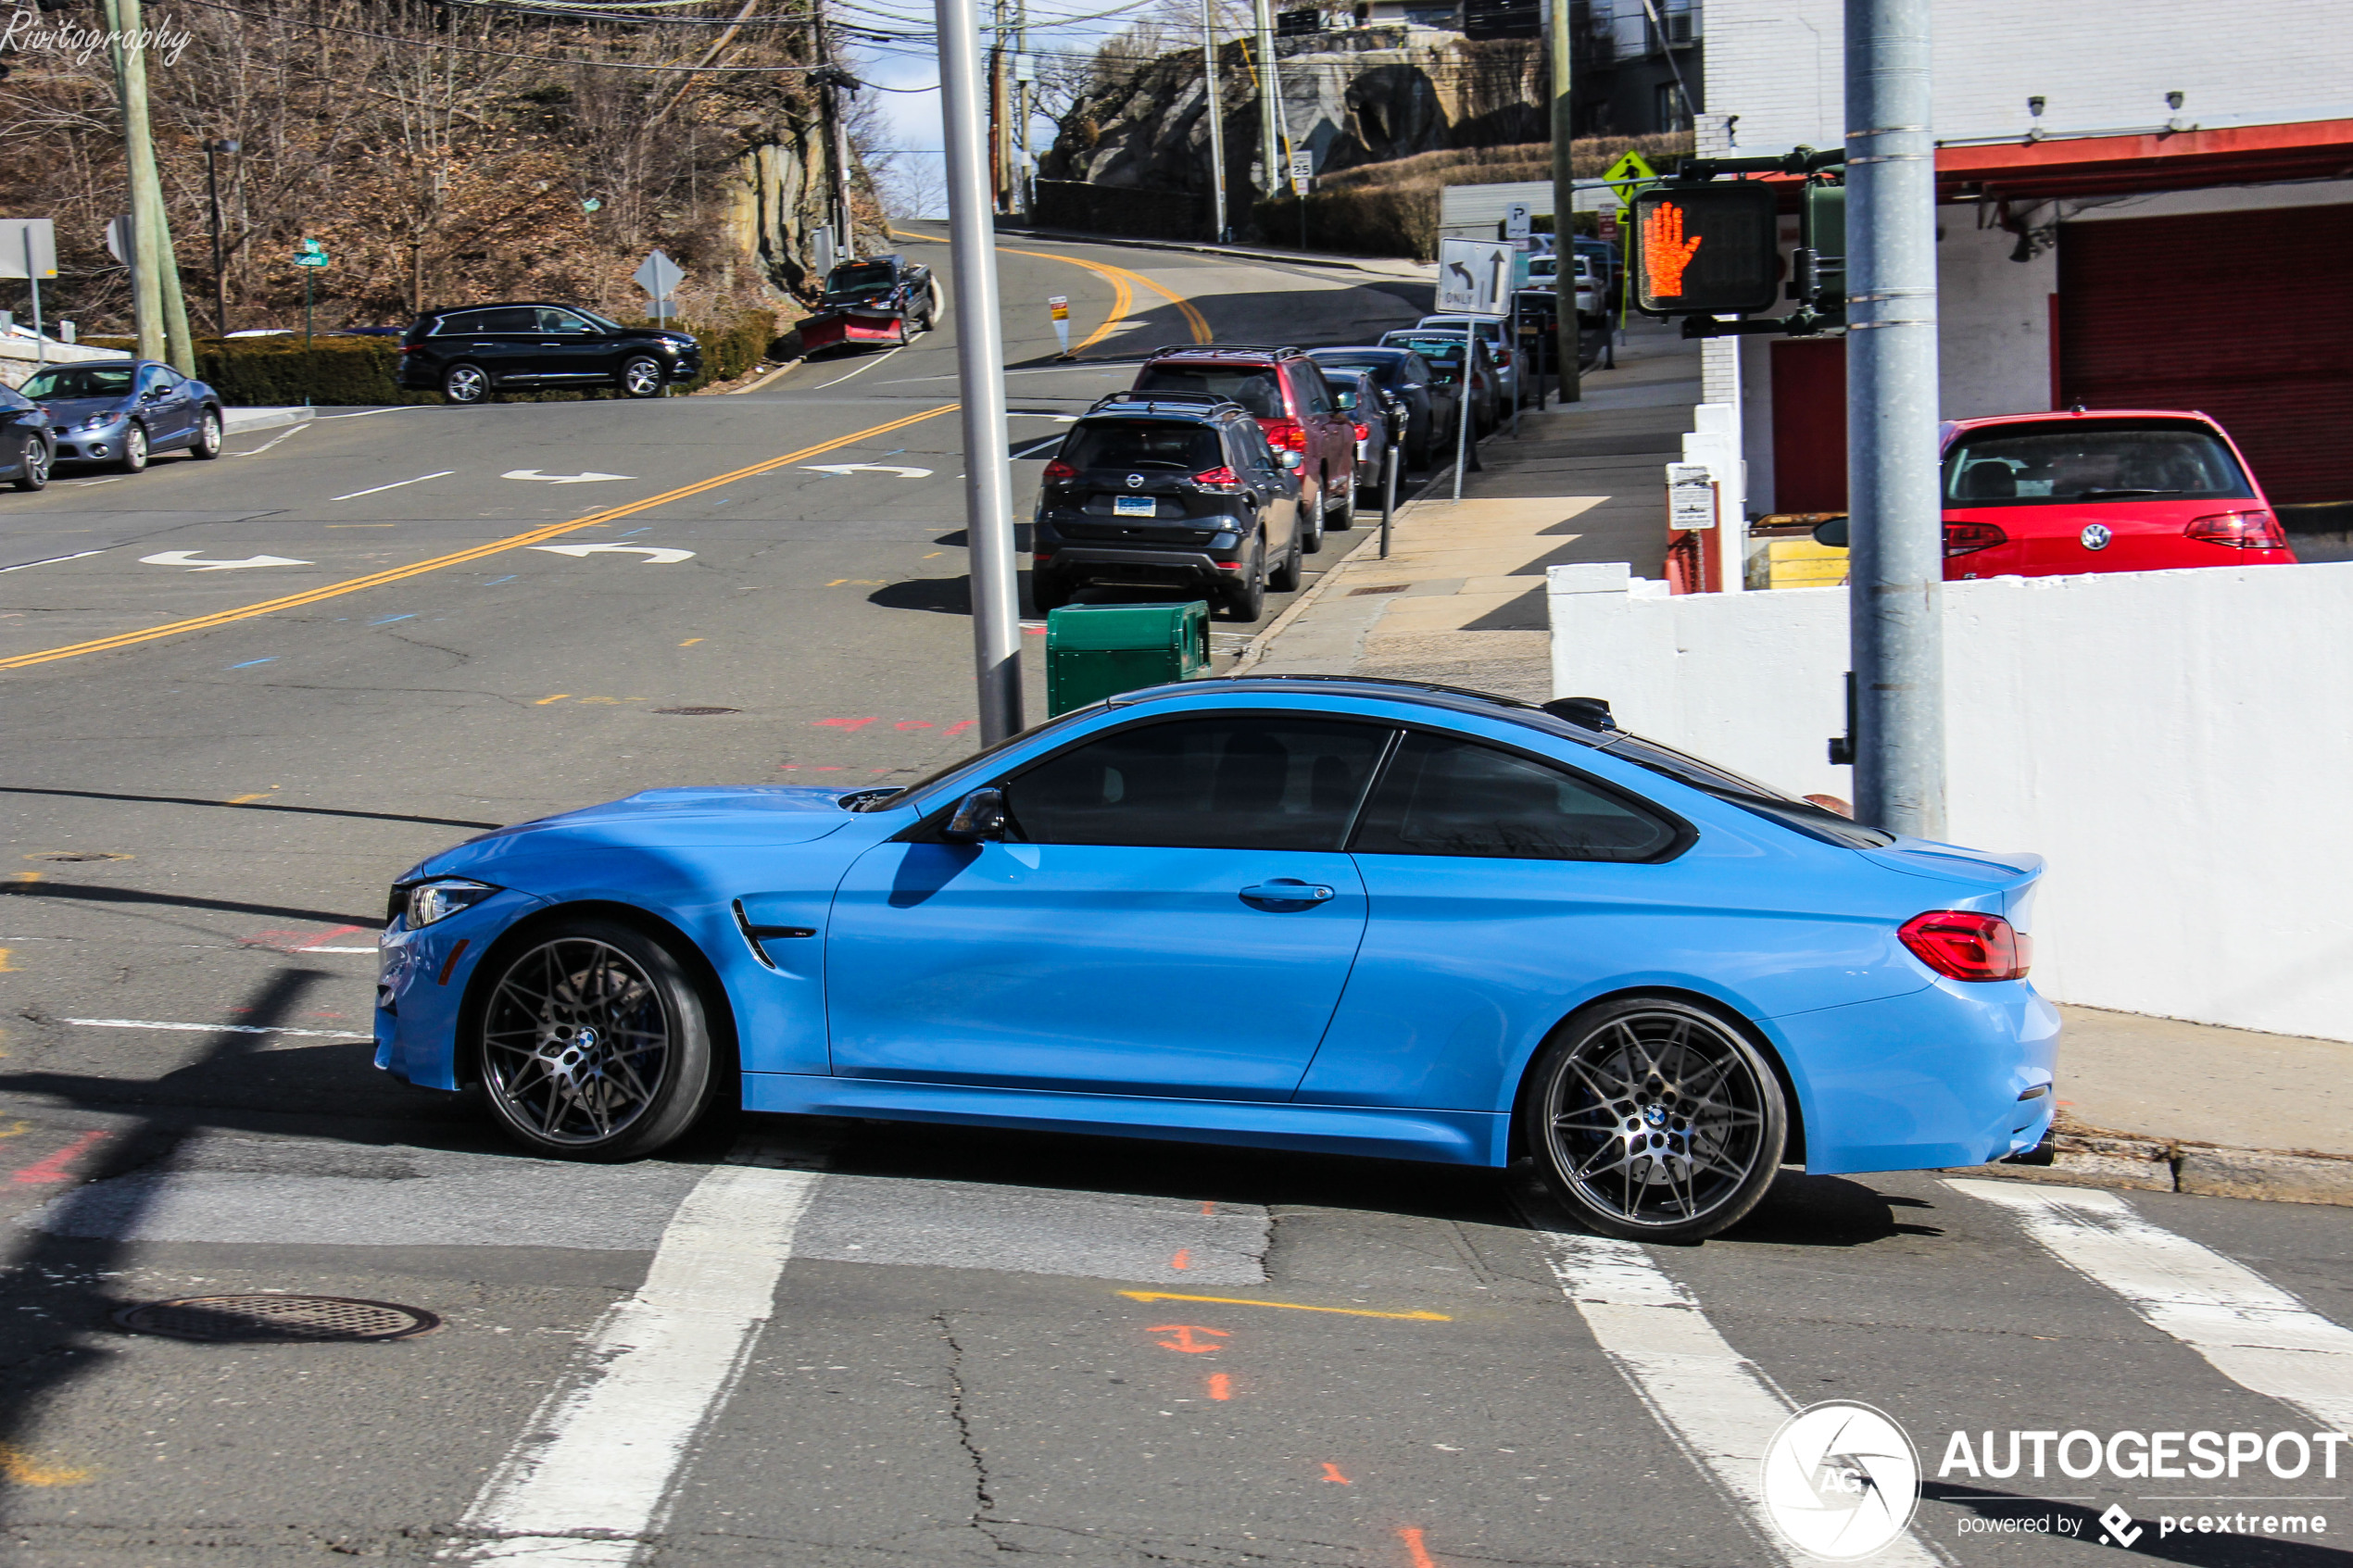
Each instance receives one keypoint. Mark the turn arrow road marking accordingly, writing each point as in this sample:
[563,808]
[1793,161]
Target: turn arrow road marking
[867,467]
[656,555]
[562,478]
[190,559]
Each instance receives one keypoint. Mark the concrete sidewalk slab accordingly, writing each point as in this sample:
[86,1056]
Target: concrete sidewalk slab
[241,422]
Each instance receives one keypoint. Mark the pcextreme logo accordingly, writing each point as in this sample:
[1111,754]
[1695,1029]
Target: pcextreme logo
[1840,1480]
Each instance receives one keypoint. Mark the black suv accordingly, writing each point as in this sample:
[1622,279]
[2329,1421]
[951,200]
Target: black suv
[469,354]
[1168,490]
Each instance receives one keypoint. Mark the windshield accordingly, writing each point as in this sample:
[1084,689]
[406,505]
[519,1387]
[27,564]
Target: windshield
[1381,371]
[1142,444]
[863,277]
[2090,460]
[80,380]
[607,323]
[1771,804]
[1254,387]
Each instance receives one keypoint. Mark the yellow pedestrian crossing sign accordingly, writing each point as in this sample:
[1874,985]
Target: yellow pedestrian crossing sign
[1628,171]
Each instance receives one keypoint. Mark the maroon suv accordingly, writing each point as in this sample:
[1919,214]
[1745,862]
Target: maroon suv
[1287,393]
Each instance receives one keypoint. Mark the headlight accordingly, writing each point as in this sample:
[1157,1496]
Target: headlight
[443,897]
[99,421]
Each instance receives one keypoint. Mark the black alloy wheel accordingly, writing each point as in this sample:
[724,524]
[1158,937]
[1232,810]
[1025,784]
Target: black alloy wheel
[1245,599]
[208,435]
[1347,508]
[1283,577]
[641,376]
[594,1043]
[466,385]
[32,471]
[134,448]
[1655,1120]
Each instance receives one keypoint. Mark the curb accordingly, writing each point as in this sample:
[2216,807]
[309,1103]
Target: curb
[239,421]
[2097,1157]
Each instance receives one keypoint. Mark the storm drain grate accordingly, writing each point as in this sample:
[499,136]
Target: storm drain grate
[77,854]
[696,712]
[1384,589]
[275,1318]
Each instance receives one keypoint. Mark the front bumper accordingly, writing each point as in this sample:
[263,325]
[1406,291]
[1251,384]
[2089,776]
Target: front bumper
[100,445]
[422,978]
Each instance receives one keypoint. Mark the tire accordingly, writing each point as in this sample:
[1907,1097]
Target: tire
[594,1043]
[1606,1117]
[1284,579]
[134,448]
[208,435]
[465,384]
[1347,509]
[641,376]
[1246,600]
[1048,594]
[1308,538]
[34,474]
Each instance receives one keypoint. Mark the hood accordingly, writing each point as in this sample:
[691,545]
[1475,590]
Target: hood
[700,816]
[65,408]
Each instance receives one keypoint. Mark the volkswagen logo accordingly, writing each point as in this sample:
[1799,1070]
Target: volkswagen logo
[1840,1480]
[1136,482]
[2096,538]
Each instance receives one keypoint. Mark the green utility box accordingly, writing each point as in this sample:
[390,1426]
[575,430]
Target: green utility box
[1095,651]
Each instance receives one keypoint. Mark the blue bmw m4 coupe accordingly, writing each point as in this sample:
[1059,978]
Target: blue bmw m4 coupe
[1343,915]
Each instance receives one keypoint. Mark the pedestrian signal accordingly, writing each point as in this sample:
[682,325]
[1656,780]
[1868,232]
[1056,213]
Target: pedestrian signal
[1707,250]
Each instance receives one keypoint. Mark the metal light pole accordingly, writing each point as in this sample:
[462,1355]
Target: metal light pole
[1270,141]
[1566,327]
[989,490]
[220,267]
[1897,572]
[1213,107]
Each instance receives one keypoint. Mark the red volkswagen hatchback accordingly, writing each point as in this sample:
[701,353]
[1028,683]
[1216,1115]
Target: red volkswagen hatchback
[2109,490]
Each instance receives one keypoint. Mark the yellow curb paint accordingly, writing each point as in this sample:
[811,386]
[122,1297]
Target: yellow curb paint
[496,546]
[1287,1306]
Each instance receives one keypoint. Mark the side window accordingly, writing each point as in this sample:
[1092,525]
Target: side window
[168,378]
[1314,396]
[514,319]
[462,323]
[152,377]
[1203,784]
[1447,796]
[1412,372]
[1262,456]
[554,321]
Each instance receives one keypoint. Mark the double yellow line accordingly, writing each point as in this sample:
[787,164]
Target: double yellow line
[1119,278]
[514,542]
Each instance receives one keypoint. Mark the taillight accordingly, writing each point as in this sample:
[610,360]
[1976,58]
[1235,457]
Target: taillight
[1962,538]
[1060,470]
[1964,945]
[1364,432]
[2240,531]
[1285,432]
[1217,479]
[1503,358]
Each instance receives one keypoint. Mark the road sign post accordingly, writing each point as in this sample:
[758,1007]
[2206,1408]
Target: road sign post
[311,255]
[28,250]
[1302,180]
[1473,278]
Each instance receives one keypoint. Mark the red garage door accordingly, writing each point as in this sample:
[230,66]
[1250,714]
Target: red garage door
[2247,316]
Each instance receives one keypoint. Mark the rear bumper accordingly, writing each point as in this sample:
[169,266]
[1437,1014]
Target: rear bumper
[1093,563]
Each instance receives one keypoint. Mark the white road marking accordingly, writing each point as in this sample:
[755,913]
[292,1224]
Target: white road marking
[594,1474]
[194,562]
[859,371]
[656,555]
[226,1028]
[583,478]
[2254,1333]
[1033,451]
[53,560]
[86,484]
[847,468]
[363,413]
[397,484]
[1718,1406]
[283,434]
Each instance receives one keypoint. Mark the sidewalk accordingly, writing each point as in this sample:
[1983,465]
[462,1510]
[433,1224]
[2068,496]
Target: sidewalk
[2147,1103]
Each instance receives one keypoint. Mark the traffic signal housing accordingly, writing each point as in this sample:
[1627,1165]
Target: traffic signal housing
[1710,249]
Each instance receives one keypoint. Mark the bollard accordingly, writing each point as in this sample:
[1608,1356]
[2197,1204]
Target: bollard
[1388,497]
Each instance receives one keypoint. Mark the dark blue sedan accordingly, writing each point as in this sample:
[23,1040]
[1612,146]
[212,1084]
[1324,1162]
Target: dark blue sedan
[121,412]
[1351,916]
[28,445]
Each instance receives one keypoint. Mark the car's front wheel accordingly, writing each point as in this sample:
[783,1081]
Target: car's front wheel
[641,376]
[208,443]
[32,471]
[1655,1120]
[465,385]
[134,448]
[595,1043]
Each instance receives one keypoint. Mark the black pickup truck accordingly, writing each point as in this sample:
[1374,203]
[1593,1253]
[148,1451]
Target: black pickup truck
[884,299]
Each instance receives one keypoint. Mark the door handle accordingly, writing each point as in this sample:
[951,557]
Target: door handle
[1287,890]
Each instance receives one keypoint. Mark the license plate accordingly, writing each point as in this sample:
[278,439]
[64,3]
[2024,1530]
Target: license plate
[1134,505]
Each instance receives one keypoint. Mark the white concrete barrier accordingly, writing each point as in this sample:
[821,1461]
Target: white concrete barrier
[2180,744]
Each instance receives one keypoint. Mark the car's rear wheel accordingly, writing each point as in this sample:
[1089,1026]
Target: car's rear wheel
[32,472]
[1346,508]
[134,448]
[595,1043]
[1245,599]
[1310,539]
[641,376]
[1048,594]
[465,385]
[207,444]
[1284,577]
[1655,1120]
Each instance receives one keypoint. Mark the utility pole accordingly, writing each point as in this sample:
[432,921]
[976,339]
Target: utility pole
[1270,138]
[1896,573]
[212,149]
[980,361]
[1568,334]
[1022,166]
[835,80]
[997,116]
[1214,105]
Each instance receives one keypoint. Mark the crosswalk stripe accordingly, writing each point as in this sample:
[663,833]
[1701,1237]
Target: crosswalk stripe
[1717,1405]
[2255,1334]
[592,1478]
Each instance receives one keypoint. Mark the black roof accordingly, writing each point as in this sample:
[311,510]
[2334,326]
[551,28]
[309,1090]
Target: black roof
[1169,405]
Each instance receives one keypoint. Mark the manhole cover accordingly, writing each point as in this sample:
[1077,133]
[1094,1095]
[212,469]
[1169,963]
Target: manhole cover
[77,855]
[272,1319]
[696,712]
[1384,589]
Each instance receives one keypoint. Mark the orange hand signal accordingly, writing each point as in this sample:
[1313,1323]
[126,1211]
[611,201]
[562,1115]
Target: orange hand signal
[1665,251]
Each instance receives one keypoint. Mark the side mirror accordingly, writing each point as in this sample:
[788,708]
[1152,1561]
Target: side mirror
[979,819]
[1832,533]
[1288,461]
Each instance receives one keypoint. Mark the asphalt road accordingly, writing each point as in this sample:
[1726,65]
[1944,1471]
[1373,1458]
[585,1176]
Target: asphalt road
[966,1343]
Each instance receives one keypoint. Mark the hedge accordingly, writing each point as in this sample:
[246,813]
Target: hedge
[278,372]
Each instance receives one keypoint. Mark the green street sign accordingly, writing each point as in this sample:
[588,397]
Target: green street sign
[310,252]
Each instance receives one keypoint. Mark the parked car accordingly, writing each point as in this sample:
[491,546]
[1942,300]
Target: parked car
[468,354]
[1169,490]
[2107,490]
[1494,332]
[1311,913]
[124,411]
[1542,274]
[1293,404]
[1610,269]
[1378,428]
[28,444]
[1428,404]
[1444,352]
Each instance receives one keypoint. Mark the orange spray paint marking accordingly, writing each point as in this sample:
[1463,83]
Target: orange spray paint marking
[1184,1259]
[1184,1332]
[1220,1385]
[1331,1473]
[53,1170]
[1207,1207]
[1412,1537]
[26,1470]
